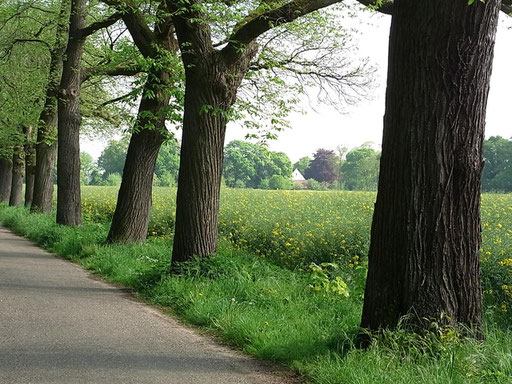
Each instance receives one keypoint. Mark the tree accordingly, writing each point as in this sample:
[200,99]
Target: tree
[69,119]
[69,207]
[18,171]
[163,86]
[88,169]
[360,170]
[30,162]
[46,142]
[5,179]
[280,182]
[281,165]
[113,156]
[165,81]
[249,165]
[322,167]
[23,70]
[168,163]
[302,164]
[212,79]
[497,175]
[425,237]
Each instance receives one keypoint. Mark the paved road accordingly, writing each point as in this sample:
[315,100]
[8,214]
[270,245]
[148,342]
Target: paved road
[58,324]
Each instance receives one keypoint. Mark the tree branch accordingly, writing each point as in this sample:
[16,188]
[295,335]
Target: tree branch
[121,70]
[142,35]
[387,6]
[89,30]
[117,99]
[260,21]
[506,7]
[193,34]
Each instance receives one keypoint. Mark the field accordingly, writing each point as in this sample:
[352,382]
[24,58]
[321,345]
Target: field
[297,228]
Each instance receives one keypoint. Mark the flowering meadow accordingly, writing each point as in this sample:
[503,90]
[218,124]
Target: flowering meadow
[297,228]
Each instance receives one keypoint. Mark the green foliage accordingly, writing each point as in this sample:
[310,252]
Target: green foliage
[24,63]
[322,279]
[360,170]
[302,164]
[314,185]
[113,157]
[88,169]
[323,167]
[497,175]
[279,182]
[252,166]
[113,179]
[168,164]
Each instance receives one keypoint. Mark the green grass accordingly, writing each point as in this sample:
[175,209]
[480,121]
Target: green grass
[272,312]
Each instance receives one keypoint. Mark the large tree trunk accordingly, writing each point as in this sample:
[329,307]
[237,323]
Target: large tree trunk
[202,155]
[131,217]
[5,179]
[46,150]
[425,238]
[30,162]
[69,209]
[18,165]
[210,92]
[46,146]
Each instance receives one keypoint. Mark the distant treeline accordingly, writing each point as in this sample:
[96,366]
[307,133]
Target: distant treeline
[248,165]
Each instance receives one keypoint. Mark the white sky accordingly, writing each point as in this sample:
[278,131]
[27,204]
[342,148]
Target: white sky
[362,123]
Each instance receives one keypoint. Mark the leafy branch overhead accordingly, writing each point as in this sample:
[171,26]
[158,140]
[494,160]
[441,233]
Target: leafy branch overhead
[386,6]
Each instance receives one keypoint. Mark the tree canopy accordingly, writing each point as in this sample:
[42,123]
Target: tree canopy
[248,165]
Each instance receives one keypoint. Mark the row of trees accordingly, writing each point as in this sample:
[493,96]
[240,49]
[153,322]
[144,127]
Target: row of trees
[358,169]
[247,165]
[189,74]
[196,57]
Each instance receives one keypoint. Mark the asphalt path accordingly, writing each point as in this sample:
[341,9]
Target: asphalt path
[60,324]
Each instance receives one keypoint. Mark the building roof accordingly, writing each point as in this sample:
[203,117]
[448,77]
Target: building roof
[297,176]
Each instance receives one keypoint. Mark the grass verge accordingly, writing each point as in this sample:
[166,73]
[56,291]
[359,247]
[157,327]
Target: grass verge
[271,312]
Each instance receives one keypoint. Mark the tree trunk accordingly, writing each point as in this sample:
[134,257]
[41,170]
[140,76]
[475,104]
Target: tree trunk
[46,146]
[425,237]
[69,208]
[30,161]
[46,151]
[131,217]
[202,155]
[30,169]
[5,179]
[210,91]
[18,165]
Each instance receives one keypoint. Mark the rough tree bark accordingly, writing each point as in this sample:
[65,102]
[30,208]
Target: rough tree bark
[210,91]
[5,179]
[18,164]
[69,210]
[131,216]
[18,167]
[46,145]
[425,237]
[30,161]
